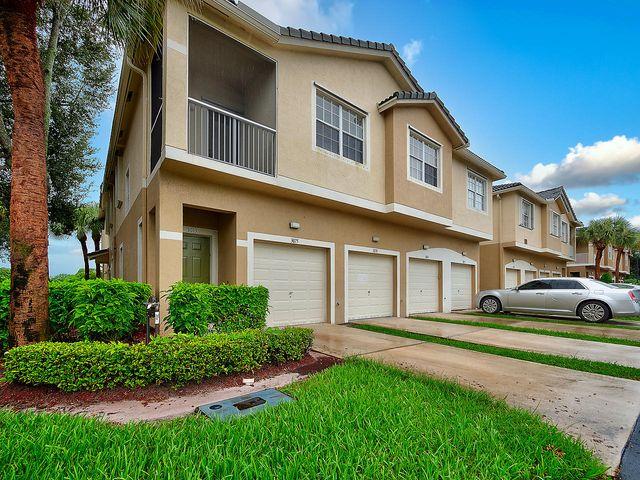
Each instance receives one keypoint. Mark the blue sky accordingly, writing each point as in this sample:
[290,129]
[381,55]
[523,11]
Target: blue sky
[547,91]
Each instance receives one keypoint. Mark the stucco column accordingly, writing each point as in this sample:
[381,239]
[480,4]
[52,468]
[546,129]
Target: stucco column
[169,219]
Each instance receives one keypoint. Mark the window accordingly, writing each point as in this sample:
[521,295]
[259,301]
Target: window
[565,232]
[476,192]
[339,129]
[566,285]
[536,285]
[424,159]
[526,214]
[555,224]
[127,190]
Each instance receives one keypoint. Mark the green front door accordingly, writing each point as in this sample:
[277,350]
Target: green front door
[196,259]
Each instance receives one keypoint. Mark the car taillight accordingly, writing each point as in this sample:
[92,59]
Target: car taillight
[632,296]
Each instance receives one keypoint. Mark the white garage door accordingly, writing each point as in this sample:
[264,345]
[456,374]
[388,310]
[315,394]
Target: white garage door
[529,275]
[511,278]
[556,274]
[424,286]
[461,294]
[544,274]
[370,287]
[297,281]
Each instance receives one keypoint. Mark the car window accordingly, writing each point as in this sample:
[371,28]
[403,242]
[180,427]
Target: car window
[536,285]
[566,285]
[602,284]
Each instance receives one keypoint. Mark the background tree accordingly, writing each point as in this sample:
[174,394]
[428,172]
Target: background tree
[625,237]
[96,234]
[84,219]
[135,24]
[80,85]
[600,233]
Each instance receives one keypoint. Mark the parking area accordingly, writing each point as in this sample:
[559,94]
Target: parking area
[598,409]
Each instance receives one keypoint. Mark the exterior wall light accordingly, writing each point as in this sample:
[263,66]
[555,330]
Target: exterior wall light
[375,239]
[425,247]
[294,225]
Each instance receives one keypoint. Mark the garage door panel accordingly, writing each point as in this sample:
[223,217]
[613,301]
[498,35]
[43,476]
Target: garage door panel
[529,275]
[424,286]
[370,285]
[461,286]
[511,278]
[296,279]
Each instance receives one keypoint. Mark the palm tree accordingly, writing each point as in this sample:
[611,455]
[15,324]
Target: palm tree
[96,234]
[84,218]
[600,233]
[625,237]
[135,24]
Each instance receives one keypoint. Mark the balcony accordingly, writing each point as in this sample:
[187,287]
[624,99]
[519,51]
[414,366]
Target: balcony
[582,258]
[232,101]
[572,251]
[223,136]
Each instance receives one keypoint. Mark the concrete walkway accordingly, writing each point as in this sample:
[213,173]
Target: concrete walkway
[566,347]
[599,410]
[629,333]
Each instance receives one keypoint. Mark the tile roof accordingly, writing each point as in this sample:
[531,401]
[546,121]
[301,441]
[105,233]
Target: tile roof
[422,95]
[350,42]
[556,192]
[505,186]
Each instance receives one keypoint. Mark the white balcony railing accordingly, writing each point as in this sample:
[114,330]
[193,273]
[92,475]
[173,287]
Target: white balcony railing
[226,137]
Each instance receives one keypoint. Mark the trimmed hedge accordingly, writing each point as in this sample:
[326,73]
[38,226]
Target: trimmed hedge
[88,309]
[199,308]
[177,359]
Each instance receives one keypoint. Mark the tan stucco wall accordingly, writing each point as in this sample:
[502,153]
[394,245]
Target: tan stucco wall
[363,83]
[462,214]
[494,258]
[317,223]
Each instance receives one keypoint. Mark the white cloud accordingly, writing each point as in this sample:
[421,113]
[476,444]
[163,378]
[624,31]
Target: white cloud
[595,205]
[607,162]
[411,51]
[327,16]
[635,221]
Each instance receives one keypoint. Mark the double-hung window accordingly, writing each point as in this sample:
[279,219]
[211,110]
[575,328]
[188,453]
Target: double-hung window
[339,128]
[424,159]
[565,232]
[526,214]
[555,224]
[476,192]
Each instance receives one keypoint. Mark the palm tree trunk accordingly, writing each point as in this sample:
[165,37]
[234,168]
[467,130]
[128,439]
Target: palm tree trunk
[85,256]
[618,257]
[598,260]
[96,247]
[28,222]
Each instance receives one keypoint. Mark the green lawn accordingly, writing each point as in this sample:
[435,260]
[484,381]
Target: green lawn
[539,331]
[560,320]
[356,420]
[603,368]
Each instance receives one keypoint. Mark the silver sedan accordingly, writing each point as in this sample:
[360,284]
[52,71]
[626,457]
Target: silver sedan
[591,300]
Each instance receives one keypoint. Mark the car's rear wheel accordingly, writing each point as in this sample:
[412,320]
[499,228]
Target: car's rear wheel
[594,312]
[490,305]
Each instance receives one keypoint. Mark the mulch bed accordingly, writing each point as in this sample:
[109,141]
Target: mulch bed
[19,397]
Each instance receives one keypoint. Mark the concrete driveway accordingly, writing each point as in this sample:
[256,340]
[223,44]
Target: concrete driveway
[566,347]
[598,409]
[629,332]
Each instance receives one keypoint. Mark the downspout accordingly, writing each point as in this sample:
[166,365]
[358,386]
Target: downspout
[145,157]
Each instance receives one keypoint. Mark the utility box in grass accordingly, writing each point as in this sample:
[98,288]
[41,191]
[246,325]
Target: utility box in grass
[244,404]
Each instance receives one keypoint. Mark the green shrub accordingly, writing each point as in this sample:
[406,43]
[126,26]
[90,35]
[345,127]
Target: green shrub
[87,310]
[79,275]
[5,274]
[199,308]
[176,359]
[606,277]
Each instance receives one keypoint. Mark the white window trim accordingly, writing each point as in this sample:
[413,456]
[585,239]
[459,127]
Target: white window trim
[533,219]
[365,165]
[564,240]
[555,215]
[437,188]
[486,190]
